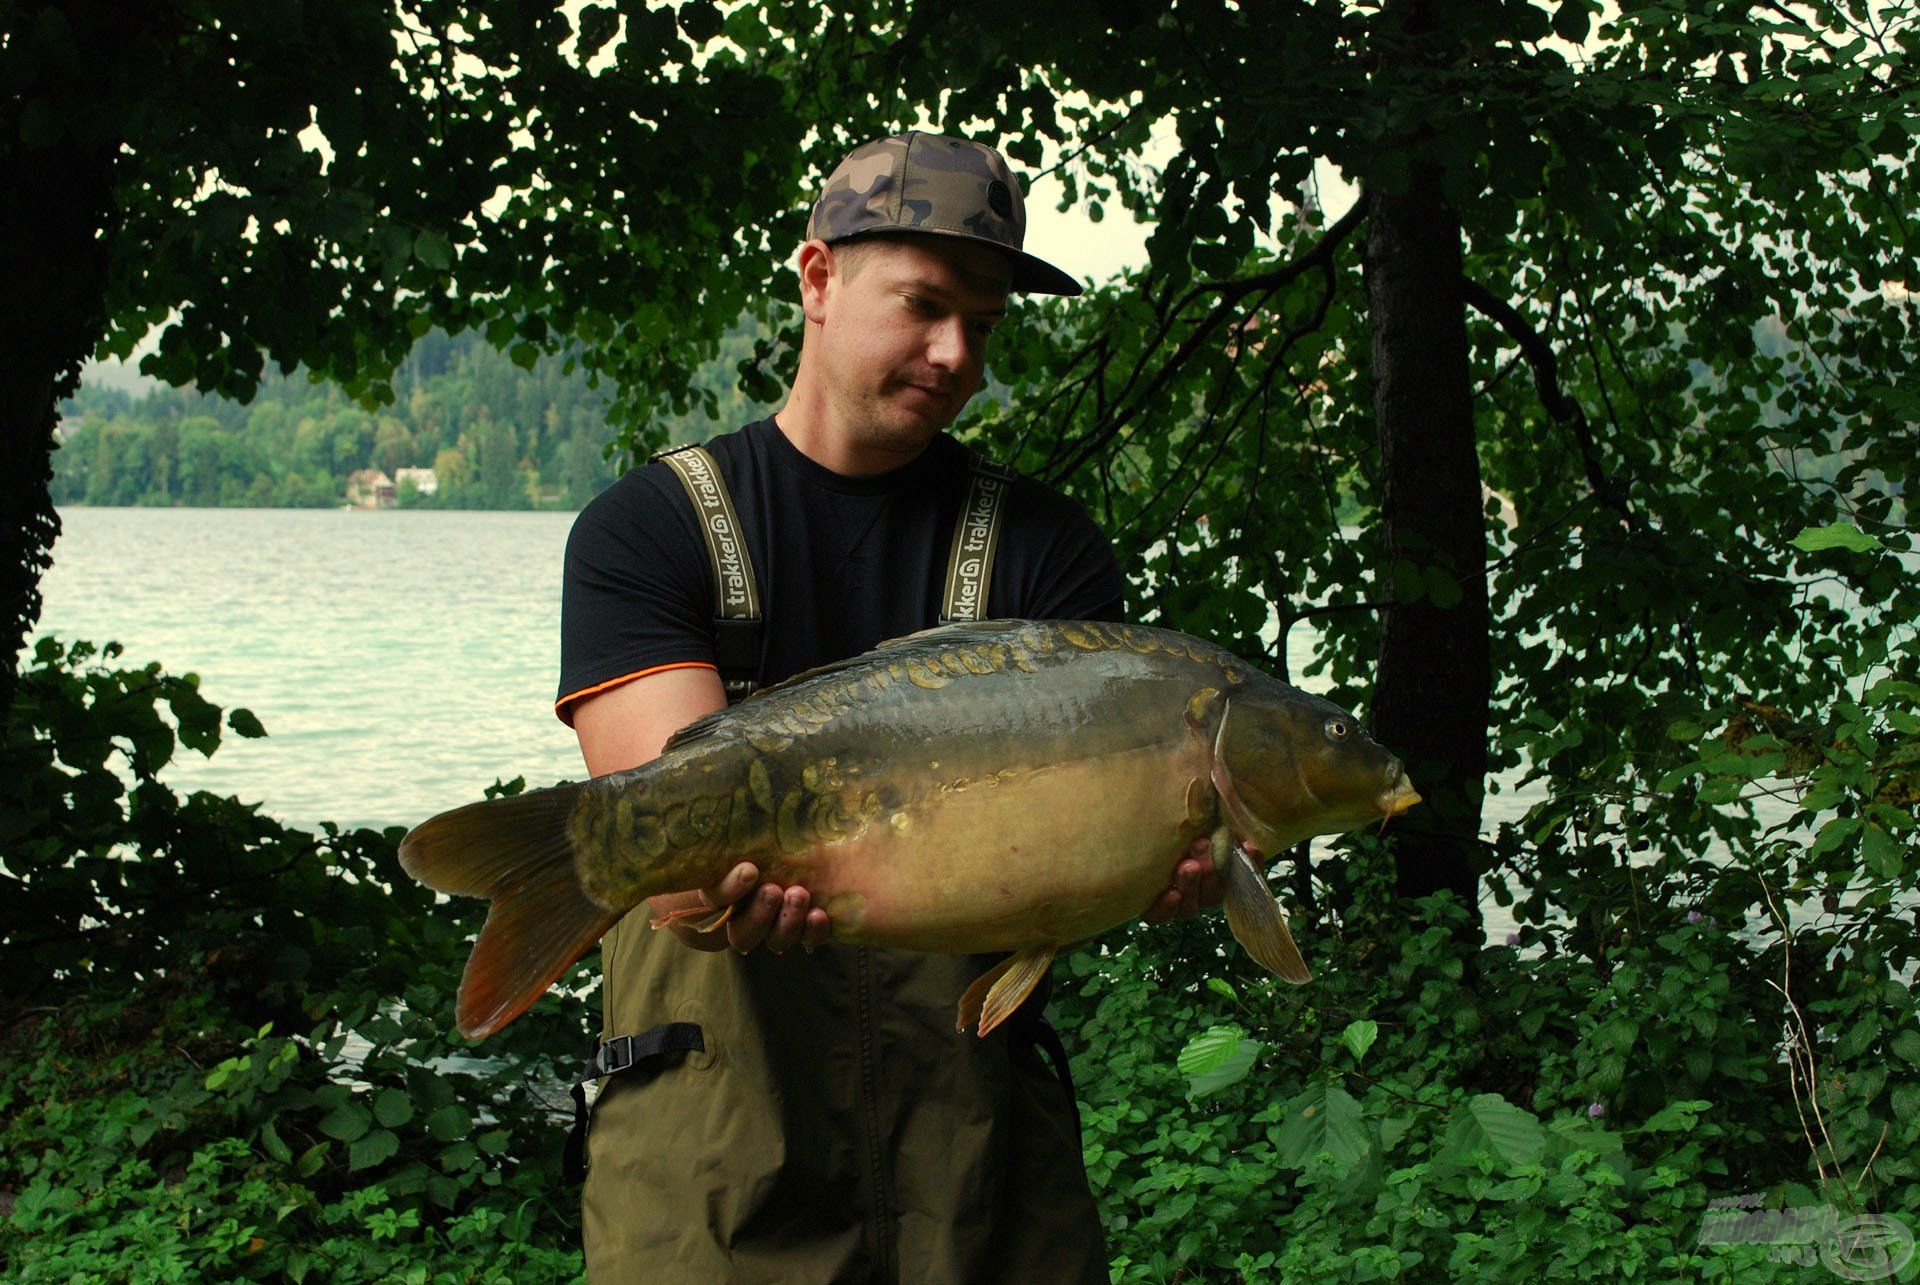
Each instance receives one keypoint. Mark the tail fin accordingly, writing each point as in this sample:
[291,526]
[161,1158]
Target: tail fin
[515,851]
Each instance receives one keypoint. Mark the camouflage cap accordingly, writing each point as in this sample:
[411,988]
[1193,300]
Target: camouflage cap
[929,183]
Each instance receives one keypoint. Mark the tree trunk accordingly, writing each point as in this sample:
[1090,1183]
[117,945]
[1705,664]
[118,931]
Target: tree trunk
[1432,685]
[55,210]
[28,524]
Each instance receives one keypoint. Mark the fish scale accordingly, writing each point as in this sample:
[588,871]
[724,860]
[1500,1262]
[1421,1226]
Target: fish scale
[1011,785]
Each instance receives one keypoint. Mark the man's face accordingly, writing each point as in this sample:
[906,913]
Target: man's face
[903,328]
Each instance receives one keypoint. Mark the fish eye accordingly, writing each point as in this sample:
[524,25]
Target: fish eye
[1337,729]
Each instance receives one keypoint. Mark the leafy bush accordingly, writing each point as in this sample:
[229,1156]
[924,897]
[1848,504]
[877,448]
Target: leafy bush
[1396,1121]
[228,1050]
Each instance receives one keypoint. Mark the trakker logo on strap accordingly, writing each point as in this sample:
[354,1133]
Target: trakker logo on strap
[734,592]
[970,564]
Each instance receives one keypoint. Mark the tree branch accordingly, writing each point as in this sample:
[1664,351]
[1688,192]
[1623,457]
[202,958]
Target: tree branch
[1228,293]
[1546,381]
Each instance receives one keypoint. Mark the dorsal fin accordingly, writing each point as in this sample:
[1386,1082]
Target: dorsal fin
[939,636]
[698,728]
[959,630]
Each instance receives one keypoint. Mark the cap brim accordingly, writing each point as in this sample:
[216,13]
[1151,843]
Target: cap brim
[1037,276]
[1030,275]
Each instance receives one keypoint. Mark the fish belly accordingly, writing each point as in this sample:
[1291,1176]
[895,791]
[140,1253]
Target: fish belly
[1025,857]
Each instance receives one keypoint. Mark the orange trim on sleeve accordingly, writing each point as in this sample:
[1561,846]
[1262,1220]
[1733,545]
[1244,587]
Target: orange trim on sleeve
[560,706]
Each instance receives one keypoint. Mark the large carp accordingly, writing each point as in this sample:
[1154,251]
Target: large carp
[1013,785]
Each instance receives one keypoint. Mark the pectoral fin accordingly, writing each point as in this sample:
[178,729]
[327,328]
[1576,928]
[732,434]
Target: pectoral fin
[699,918]
[1257,922]
[1003,988]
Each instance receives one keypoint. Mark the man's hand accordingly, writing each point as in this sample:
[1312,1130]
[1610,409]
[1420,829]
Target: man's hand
[767,915]
[1196,886]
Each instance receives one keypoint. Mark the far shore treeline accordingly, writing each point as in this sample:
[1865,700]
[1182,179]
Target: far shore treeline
[497,434]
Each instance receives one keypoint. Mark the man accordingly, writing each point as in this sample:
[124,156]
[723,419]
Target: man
[832,1125]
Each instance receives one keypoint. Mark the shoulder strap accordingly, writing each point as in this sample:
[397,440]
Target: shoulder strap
[736,596]
[976,538]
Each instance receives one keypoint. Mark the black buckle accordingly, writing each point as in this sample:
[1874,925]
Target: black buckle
[615,1055]
[610,1057]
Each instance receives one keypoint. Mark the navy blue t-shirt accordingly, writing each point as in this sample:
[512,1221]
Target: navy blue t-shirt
[843,563]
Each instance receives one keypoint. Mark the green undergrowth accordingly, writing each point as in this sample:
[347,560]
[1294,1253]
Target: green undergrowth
[228,1052]
[226,1049]
[1414,1114]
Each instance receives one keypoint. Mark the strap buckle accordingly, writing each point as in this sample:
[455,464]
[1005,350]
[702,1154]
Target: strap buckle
[611,1057]
[615,1055]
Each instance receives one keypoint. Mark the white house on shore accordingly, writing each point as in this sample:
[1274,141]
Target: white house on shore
[369,488]
[423,479]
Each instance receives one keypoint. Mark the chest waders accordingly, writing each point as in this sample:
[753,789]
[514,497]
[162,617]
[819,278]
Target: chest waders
[738,633]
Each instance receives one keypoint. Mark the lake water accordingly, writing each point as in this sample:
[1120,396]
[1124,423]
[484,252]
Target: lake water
[401,661]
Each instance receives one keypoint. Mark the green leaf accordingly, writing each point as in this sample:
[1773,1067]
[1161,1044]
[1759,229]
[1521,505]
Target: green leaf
[276,1146]
[1857,1039]
[1489,1123]
[524,355]
[396,247]
[392,1108]
[312,1158]
[1881,853]
[1676,1117]
[450,1123]
[347,1122]
[245,724]
[1359,1037]
[1720,789]
[1323,1118]
[1907,1045]
[1443,588]
[1889,690]
[433,250]
[1408,583]
[1222,988]
[1216,1058]
[1833,834]
[199,720]
[379,1145]
[461,1155]
[1568,1134]
[598,23]
[1571,21]
[1839,535]
[701,20]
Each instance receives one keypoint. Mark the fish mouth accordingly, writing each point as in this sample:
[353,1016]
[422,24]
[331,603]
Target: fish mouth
[1400,798]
